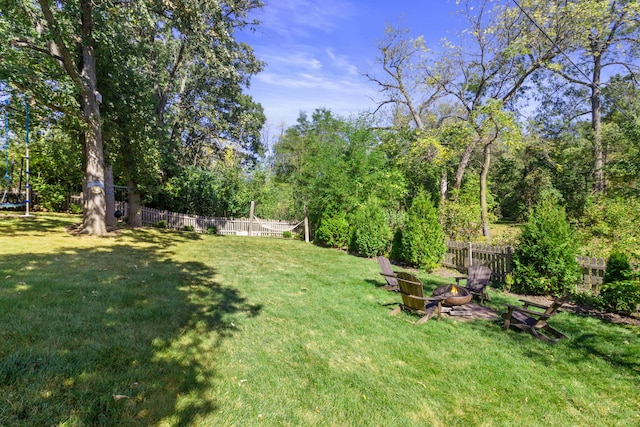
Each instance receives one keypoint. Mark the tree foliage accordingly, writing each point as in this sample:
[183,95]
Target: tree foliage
[169,76]
[334,164]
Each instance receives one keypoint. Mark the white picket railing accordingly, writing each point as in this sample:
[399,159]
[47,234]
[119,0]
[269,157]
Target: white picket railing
[223,226]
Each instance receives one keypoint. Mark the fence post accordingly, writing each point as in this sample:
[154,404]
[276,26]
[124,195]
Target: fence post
[306,225]
[253,205]
[470,250]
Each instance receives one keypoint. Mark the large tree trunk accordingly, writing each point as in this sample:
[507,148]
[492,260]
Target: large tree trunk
[134,217]
[483,193]
[94,218]
[596,122]
[110,197]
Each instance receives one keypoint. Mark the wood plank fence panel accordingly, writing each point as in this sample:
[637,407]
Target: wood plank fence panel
[499,259]
[592,272]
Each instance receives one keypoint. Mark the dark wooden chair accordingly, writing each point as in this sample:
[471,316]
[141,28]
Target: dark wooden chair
[477,280]
[388,274]
[533,321]
[413,299]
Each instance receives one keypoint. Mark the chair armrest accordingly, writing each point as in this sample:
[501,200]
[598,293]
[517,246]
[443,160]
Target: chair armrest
[535,304]
[438,298]
[387,274]
[459,279]
[529,312]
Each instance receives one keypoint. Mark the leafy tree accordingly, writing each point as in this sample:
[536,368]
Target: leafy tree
[460,217]
[56,169]
[620,133]
[610,222]
[604,36]
[505,51]
[170,76]
[333,165]
[49,52]
[545,260]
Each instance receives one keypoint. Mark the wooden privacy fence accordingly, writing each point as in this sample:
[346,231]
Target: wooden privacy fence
[460,255]
[226,226]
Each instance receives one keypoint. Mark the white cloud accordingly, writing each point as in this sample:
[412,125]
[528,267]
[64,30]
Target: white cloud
[342,62]
[301,17]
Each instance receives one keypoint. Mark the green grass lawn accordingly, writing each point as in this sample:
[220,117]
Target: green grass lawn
[173,328]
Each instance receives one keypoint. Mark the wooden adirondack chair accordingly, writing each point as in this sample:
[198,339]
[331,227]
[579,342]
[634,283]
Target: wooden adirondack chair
[388,274]
[413,298]
[478,279]
[535,322]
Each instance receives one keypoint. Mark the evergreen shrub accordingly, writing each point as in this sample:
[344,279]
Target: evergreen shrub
[621,296]
[333,231]
[370,233]
[397,251]
[545,261]
[618,268]
[620,293]
[423,244]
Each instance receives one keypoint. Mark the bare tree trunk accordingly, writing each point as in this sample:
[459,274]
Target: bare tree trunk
[444,184]
[483,193]
[464,162]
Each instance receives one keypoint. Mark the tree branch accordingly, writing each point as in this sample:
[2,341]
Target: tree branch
[67,59]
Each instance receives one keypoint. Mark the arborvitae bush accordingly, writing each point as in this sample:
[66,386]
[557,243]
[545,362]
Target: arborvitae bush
[370,233]
[545,260]
[620,293]
[333,231]
[618,268]
[397,251]
[423,244]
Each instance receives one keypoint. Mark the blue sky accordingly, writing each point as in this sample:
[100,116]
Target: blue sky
[317,51]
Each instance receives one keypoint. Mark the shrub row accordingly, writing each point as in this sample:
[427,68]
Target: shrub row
[418,239]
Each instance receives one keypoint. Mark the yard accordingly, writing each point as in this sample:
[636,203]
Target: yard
[150,327]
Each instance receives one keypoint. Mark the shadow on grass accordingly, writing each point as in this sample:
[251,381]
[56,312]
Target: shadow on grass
[15,223]
[114,335]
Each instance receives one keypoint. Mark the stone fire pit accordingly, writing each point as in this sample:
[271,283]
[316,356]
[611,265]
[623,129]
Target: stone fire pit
[454,295]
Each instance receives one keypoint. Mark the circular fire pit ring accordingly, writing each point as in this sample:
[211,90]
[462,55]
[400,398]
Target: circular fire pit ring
[453,295]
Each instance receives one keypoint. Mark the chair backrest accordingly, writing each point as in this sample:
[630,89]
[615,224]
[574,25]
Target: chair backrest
[555,305]
[479,276]
[387,271]
[410,285]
